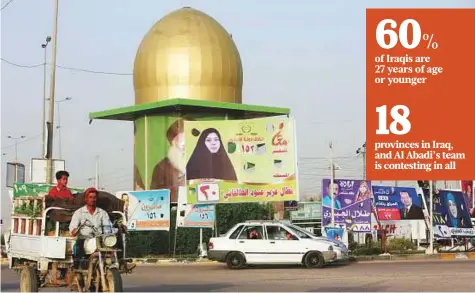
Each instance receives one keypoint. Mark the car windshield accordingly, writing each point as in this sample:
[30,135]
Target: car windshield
[297,232]
[301,231]
[230,231]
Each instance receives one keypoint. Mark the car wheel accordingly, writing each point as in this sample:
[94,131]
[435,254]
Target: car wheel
[314,260]
[235,260]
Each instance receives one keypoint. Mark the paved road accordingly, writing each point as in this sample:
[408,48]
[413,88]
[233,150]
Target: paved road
[456,275]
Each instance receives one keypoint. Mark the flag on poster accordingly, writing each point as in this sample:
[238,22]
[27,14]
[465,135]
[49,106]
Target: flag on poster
[147,210]
[194,215]
[351,202]
[233,161]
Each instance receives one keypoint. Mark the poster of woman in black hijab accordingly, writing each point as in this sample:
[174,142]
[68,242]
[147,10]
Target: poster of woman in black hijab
[249,160]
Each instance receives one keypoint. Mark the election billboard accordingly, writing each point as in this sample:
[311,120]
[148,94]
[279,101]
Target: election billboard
[397,203]
[147,210]
[450,214]
[351,204]
[234,161]
[194,215]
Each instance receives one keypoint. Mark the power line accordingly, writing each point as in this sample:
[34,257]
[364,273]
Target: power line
[22,66]
[66,68]
[23,141]
[92,71]
[5,6]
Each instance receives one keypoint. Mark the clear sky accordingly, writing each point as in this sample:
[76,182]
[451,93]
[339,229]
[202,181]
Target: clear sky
[308,56]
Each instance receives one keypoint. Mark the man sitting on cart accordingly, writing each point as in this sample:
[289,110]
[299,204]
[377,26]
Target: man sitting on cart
[96,216]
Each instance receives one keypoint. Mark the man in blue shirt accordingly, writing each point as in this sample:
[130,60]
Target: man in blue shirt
[327,199]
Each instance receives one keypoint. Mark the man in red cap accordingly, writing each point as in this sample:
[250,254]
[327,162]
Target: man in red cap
[95,216]
[61,191]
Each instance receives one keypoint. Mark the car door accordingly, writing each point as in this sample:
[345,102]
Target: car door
[251,241]
[283,245]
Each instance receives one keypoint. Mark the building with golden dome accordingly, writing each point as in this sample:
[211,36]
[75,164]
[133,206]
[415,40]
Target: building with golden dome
[188,55]
[187,67]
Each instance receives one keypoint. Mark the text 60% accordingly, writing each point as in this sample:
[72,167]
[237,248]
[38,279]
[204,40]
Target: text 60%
[402,35]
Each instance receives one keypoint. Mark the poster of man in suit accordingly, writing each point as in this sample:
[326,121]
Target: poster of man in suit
[409,211]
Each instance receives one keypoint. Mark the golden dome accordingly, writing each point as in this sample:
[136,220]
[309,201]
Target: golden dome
[188,54]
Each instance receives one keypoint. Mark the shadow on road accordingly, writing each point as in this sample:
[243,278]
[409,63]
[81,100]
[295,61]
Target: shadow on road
[181,288]
[348,289]
[297,267]
[9,286]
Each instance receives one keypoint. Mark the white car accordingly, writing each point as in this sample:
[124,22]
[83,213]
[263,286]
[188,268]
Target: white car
[272,242]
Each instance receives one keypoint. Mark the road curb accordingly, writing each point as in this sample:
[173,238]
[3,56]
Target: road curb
[399,257]
[369,258]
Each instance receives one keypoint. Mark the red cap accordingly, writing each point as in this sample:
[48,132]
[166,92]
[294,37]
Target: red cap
[89,190]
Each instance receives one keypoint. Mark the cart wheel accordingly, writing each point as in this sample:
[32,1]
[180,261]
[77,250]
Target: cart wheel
[114,281]
[28,280]
[77,284]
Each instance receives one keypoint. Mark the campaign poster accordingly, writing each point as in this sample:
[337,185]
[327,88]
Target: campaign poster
[235,161]
[468,190]
[351,204]
[397,203]
[147,210]
[451,216]
[334,233]
[194,215]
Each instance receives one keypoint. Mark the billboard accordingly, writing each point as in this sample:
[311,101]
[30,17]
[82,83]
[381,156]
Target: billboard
[397,203]
[307,211]
[147,210]
[159,154]
[451,216]
[351,202]
[15,174]
[194,215]
[468,190]
[334,233]
[234,161]
[37,190]
[39,167]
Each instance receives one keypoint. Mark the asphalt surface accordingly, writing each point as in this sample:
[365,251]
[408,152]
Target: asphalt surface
[415,276]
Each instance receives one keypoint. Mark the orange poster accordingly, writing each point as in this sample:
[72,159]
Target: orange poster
[420,94]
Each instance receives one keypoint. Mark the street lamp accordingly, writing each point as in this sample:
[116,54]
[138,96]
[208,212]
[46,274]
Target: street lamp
[43,123]
[362,151]
[16,144]
[59,123]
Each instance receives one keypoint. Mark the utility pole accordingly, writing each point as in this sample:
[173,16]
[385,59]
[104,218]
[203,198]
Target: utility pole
[431,218]
[332,180]
[362,151]
[49,169]
[96,180]
[43,119]
[16,139]
[59,124]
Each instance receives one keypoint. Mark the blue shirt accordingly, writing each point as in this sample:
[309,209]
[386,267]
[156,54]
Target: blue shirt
[328,202]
